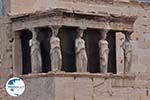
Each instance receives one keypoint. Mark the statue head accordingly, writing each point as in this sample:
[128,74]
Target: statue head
[127,36]
[55,29]
[34,32]
[104,33]
[80,31]
[55,41]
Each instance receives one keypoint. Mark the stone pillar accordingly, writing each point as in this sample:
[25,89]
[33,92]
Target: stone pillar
[17,54]
[81,56]
[36,62]
[127,48]
[55,52]
[103,51]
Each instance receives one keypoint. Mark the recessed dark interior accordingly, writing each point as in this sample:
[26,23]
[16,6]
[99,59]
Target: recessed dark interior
[111,38]
[26,58]
[92,37]
[44,38]
[67,38]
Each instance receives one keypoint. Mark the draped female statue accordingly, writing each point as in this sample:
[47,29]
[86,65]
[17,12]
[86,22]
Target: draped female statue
[36,61]
[81,56]
[55,54]
[103,52]
[127,48]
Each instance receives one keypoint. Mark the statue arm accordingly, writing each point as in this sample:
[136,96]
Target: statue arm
[55,49]
[128,52]
[77,50]
[59,54]
[81,49]
[122,45]
[60,59]
[30,43]
[106,51]
[76,46]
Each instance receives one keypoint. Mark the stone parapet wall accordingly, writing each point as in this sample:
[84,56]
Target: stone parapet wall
[76,86]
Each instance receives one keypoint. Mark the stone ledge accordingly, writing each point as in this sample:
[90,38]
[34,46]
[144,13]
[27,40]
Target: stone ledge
[61,11]
[75,74]
[81,86]
[54,17]
[123,80]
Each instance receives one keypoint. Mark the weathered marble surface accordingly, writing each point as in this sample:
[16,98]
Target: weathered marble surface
[36,61]
[103,52]
[127,48]
[55,54]
[77,86]
[81,56]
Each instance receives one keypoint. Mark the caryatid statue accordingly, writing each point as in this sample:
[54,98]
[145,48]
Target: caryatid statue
[103,51]
[55,52]
[127,48]
[81,56]
[36,61]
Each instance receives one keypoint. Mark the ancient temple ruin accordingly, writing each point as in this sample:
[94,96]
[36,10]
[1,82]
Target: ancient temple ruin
[60,25]
[76,49]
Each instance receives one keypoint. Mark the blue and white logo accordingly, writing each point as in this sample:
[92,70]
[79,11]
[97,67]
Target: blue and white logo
[15,86]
